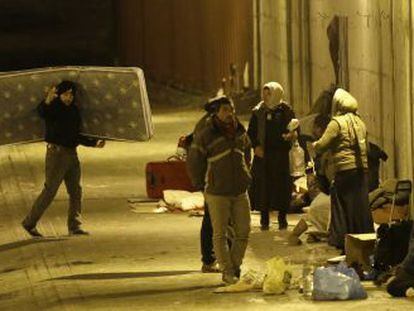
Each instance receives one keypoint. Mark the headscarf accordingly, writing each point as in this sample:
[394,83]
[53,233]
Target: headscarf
[276,94]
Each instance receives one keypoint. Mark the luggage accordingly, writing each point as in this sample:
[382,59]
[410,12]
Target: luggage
[171,174]
[113,100]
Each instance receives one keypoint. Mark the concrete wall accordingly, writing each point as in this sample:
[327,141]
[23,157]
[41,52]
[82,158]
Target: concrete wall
[43,33]
[186,43]
[380,63]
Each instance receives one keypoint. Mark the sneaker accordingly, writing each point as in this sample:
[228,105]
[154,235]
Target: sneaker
[78,231]
[210,268]
[229,278]
[32,231]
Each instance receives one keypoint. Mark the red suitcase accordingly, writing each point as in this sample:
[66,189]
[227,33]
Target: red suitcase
[170,174]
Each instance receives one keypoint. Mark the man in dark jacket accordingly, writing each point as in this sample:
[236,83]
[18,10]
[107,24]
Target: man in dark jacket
[208,257]
[63,122]
[218,160]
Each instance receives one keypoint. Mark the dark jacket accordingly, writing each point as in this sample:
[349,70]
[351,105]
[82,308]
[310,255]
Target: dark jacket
[218,163]
[272,171]
[257,124]
[63,124]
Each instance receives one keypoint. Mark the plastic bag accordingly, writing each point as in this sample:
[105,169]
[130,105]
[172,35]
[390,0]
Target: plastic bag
[337,283]
[254,278]
[251,280]
[297,160]
[278,276]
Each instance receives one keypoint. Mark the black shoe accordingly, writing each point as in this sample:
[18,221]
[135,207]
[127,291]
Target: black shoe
[264,228]
[78,231]
[32,231]
[237,272]
[283,225]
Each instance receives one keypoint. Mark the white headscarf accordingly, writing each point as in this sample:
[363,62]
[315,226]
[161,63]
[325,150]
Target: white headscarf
[276,94]
[343,102]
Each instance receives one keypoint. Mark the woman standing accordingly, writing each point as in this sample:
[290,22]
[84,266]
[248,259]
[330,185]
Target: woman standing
[272,184]
[346,138]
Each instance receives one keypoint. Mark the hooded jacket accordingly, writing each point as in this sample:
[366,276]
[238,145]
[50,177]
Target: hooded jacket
[218,163]
[346,135]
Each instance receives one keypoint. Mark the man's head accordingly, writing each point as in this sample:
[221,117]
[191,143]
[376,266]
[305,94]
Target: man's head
[66,91]
[225,111]
[213,103]
[319,125]
[272,94]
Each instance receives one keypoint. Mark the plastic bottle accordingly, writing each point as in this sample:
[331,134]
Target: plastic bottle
[297,160]
[307,275]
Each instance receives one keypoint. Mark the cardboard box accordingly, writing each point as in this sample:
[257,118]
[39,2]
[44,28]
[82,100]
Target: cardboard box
[358,248]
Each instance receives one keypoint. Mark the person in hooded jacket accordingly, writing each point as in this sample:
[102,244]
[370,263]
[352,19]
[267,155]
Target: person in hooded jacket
[346,138]
[63,123]
[218,162]
[208,257]
[271,188]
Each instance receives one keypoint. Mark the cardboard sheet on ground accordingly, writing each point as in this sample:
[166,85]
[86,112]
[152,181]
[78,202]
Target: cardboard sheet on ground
[114,102]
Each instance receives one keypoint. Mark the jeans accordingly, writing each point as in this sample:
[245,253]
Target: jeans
[62,165]
[223,210]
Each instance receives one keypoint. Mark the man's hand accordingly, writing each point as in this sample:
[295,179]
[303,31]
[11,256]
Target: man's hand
[100,143]
[51,94]
[259,152]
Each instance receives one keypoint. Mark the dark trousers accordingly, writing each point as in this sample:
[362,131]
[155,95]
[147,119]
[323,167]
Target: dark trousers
[350,207]
[265,217]
[206,238]
[62,165]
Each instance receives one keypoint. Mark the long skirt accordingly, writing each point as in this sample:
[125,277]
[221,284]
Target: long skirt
[350,210]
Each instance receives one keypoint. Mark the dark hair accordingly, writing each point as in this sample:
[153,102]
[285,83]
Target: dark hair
[64,86]
[322,121]
[213,104]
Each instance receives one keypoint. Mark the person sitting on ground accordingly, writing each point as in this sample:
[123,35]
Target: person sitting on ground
[400,285]
[318,188]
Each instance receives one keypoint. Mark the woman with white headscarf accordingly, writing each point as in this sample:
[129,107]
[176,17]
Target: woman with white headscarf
[346,138]
[271,188]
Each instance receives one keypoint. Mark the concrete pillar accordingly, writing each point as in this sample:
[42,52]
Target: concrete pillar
[273,49]
[402,83]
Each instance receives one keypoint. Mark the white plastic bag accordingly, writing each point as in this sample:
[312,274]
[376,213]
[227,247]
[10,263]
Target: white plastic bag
[278,276]
[297,160]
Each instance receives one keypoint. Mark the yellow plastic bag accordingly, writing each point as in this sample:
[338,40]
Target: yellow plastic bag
[278,276]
